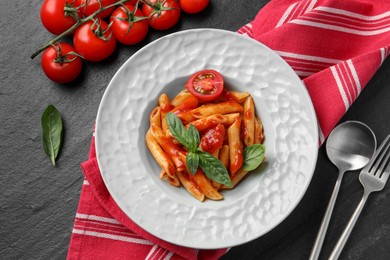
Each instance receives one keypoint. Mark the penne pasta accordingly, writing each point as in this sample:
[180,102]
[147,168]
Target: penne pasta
[216,108]
[166,106]
[235,147]
[259,134]
[174,181]
[240,174]
[190,186]
[249,121]
[172,150]
[155,116]
[225,123]
[205,186]
[159,155]
[180,98]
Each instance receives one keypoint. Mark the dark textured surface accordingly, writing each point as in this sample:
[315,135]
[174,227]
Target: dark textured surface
[38,201]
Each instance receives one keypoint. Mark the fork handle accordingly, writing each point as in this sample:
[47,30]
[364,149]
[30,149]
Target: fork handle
[348,229]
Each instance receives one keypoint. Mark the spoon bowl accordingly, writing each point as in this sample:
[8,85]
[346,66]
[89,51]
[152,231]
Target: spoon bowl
[349,146]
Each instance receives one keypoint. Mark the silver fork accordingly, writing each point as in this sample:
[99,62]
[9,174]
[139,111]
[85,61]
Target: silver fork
[373,178]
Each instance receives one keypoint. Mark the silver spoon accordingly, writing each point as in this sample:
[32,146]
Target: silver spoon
[349,146]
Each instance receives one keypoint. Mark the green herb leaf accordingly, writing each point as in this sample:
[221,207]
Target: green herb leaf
[194,138]
[253,156]
[214,169]
[52,132]
[178,130]
[192,161]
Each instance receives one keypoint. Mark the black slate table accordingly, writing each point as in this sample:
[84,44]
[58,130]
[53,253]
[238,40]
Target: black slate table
[38,201]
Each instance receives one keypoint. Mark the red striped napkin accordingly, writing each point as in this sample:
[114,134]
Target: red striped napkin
[334,46]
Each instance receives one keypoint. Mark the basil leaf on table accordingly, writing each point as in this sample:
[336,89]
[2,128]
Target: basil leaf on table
[253,156]
[178,130]
[192,161]
[214,169]
[52,132]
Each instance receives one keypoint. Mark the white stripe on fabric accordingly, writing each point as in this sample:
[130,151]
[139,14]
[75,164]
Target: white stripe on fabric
[113,237]
[85,182]
[355,76]
[103,229]
[344,84]
[336,16]
[313,2]
[151,251]
[285,15]
[307,57]
[340,87]
[351,14]
[163,254]
[102,224]
[351,82]
[340,28]
[170,254]
[346,24]
[322,66]
[98,218]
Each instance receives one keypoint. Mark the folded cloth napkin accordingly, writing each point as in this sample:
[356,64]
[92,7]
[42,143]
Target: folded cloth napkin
[334,46]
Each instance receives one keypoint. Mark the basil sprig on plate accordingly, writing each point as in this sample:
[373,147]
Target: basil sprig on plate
[52,132]
[211,166]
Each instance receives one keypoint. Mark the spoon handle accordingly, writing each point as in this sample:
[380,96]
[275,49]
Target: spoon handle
[348,229]
[325,221]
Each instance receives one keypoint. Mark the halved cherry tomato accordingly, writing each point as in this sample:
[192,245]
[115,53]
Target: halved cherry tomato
[206,85]
[60,64]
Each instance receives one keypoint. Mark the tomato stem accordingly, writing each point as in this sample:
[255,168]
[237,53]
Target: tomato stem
[75,26]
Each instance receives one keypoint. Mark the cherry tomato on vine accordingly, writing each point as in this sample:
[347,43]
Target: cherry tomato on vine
[94,40]
[163,14]
[60,64]
[206,85]
[92,6]
[193,6]
[129,24]
[55,19]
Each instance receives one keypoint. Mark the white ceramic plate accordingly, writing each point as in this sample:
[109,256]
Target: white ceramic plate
[257,204]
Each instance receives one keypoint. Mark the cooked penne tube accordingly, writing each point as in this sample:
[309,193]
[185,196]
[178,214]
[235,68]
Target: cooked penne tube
[216,108]
[240,174]
[190,103]
[249,121]
[190,186]
[239,96]
[235,147]
[224,155]
[159,155]
[205,186]
[172,150]
[155,116]
[180,98]
[230,118]
[210,121]
[166,106]
[259,134]
[174,181]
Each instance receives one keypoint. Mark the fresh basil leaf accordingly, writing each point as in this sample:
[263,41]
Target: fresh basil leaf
[194,138]
[253,156]
[214,169]
[192,161]
[52,132]
[179,131]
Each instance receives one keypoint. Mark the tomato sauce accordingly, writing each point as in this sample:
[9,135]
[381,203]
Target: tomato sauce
[212,140]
